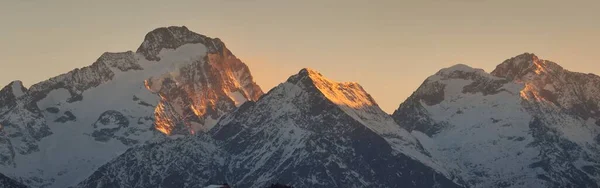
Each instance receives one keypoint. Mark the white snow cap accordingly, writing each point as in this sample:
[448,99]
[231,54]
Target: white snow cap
[17,88]
[459,68]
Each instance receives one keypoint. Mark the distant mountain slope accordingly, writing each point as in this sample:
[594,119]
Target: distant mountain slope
[188,162]
[177,83]
[306,132]
[530,123]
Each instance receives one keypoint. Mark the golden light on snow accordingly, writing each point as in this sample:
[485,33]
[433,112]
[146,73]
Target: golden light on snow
[350,94]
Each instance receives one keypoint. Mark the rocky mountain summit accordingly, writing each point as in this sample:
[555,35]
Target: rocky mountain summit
[528,123]
[177,83]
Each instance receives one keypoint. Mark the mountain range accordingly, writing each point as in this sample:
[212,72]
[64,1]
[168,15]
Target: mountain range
[183,111]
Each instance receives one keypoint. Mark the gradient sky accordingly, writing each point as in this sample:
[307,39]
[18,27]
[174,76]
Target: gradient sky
[388,46]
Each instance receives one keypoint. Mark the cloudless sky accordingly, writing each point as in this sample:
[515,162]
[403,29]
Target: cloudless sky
[388,46]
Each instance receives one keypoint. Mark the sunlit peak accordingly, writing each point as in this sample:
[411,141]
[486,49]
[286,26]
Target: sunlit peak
[349,94]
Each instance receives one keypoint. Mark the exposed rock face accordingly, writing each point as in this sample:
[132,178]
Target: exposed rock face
[9,95]
[188,162]
[109,124]
[306,132]
[124,61]
[75,82]
[172,38]
[197,95]
[21,127]
[547,82]
[177,83]
[530,123]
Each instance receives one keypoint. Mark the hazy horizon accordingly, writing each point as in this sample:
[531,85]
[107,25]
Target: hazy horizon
[389,47]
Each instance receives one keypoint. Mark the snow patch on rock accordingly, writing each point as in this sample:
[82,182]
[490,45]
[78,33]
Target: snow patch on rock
[17,88]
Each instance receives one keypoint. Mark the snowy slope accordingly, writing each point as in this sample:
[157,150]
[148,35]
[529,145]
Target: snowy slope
[528,124]
[306,132]
[57,132]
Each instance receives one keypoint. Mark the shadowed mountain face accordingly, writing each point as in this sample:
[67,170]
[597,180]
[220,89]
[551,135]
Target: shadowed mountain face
[301,133]
[530,123]
[187,162]
[178,83]
[6,182]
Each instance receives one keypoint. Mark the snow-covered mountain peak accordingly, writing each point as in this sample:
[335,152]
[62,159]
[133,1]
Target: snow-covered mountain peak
[351,99]
[548,83]
[349,94]
[458,68]
[9,95]
[173,37]
[460,71]
[177,83]
[306,110]
[541,120]
[518,67]
[17,88]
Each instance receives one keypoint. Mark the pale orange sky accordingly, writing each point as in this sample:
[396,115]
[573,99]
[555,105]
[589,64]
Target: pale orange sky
[388,46]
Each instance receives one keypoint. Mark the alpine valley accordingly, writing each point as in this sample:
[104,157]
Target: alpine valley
[183,111]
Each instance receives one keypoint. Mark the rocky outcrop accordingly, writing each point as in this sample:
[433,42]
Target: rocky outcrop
[174,37]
